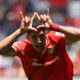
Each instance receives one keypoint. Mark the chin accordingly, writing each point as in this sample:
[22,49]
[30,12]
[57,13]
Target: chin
[40,50]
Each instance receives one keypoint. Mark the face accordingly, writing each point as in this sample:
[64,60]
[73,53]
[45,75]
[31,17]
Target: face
[38,40]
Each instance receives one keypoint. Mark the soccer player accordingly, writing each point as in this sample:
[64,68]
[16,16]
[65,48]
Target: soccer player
[42,54]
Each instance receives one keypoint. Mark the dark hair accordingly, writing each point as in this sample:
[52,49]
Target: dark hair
[36,22]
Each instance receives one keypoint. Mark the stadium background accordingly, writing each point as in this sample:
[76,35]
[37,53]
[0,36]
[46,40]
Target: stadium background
[63,12]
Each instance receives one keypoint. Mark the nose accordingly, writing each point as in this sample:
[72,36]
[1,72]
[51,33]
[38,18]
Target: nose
[39,40]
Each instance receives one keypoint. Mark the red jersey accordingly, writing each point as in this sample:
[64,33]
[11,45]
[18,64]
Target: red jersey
[60,66]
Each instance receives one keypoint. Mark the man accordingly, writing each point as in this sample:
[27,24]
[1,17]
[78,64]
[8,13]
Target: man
[42,54]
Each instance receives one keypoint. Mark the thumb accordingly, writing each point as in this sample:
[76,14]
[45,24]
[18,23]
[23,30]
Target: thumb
[21,13]
[48,14]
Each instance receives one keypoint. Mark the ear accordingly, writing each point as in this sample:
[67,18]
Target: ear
[28,37]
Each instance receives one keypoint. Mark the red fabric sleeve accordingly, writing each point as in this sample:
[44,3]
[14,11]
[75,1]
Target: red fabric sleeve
[55,27]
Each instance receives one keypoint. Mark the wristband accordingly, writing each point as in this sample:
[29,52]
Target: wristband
[55,27]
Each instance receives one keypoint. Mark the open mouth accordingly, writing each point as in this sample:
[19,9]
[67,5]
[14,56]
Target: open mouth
[40,48]
[40,45]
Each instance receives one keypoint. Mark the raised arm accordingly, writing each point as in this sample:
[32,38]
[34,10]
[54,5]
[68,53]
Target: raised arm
[21,74]
[72,34]
[6,44]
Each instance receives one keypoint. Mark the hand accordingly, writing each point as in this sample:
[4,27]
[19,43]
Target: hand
[26,23]
[45,19]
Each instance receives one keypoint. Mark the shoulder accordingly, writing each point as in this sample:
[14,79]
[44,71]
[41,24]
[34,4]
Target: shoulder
[56,33]
[56,36]
[20,45]
[23,42]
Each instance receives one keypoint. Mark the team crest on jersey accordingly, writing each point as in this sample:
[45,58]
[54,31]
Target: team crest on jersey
[50,50]
[22,52]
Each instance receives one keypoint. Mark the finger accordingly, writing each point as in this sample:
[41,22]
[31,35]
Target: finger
[21,13]
[31,29]
[41,27]
[37,15]
[34,15]
[41,16]
[44,17]
[22,24]
[48,14]
[27,19]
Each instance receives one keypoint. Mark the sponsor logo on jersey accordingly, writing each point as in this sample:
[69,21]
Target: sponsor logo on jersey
[37,64]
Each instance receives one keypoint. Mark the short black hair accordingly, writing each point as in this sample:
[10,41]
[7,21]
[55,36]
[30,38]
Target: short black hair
[36,22]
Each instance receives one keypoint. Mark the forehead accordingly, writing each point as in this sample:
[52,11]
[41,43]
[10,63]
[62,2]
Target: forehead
[37,33]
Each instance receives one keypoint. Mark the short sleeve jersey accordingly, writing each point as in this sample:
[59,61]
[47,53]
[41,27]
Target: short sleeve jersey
[60,66]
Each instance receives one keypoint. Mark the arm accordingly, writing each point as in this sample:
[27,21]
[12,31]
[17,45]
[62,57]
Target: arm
[6,44]
[21,74]
[72,34]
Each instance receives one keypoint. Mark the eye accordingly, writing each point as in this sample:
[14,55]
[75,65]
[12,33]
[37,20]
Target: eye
[42,36]
[34,37]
